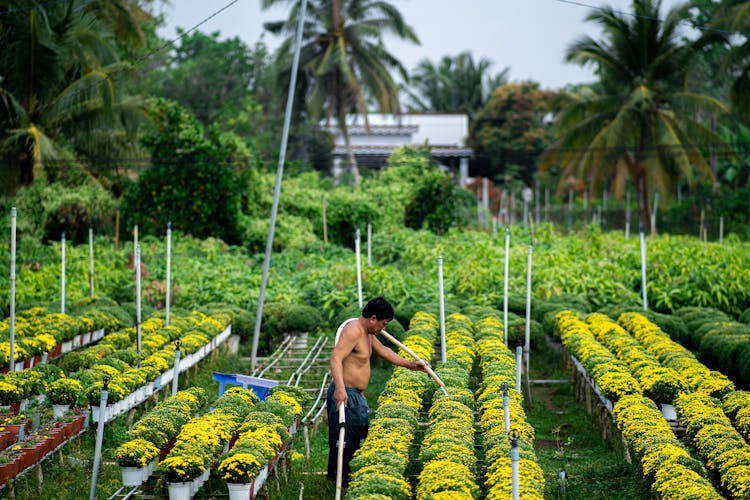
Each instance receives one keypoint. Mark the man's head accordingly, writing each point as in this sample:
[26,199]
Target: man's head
[378,312]
[378,307]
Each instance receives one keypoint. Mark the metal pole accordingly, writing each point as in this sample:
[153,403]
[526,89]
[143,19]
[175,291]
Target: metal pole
[359,268]
[325,222]
[514,456]
[442,309]
[505,285]
[91,261]
[643,269]
[62,274]
[138,300]
[277,187]
[627,215]
[99,438]
[135,238]
[369,244]
[506,406]
[527,344]
[519,366]
[721,230]
[12,354]
[176,368]
[169,270]
[653,215]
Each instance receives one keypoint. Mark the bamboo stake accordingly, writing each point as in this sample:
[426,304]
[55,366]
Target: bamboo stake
[417,358]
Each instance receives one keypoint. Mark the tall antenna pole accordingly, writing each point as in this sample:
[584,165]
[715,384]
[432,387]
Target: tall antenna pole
[277,188]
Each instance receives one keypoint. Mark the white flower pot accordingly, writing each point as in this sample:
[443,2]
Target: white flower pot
[180,491]
[131,476]
[59,410]
[239,491]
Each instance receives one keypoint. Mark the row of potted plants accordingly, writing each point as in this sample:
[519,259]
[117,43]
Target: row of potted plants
[34,446]
[202,440]
[736,406]
[153,435]
[129,385]
[695,375]
[379,464]
[498,373]
[665,462]
[721,446]
[611,377]
[660,383]
[261,440]
[447,450]
[40,335]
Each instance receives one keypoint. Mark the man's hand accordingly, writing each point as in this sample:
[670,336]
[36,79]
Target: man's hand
[340,396]
[418,365]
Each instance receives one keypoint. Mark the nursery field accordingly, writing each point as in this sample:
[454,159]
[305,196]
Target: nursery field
[620,399]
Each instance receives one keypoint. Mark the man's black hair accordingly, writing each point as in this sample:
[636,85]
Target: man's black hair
[378,307]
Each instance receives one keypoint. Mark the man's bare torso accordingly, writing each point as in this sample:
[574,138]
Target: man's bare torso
[356,364]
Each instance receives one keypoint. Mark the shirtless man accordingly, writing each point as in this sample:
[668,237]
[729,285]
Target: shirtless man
[350,368]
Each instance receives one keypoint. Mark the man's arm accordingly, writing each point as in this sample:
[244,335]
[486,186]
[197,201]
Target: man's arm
[346,344]
[393,358]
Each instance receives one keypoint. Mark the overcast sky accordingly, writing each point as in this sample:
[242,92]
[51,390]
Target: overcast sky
[529,36]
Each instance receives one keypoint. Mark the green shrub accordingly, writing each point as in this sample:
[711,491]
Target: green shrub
[46,210]
[439,204]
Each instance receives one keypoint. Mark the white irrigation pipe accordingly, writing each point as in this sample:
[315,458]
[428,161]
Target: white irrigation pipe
[643,269]
[411,353]
[62,275]
[277,187]
[91,261]
[176,373]
[340,456]
[442,309]
[312,361]
[359,268]
[12,354]
[304,361]
[506,406]
[280,351]
[514,457]
[519,367]
[99,439]
[369,244]
[527,344]
[627,216]
[505,285]
[138,300]
[317,400]
[169,269]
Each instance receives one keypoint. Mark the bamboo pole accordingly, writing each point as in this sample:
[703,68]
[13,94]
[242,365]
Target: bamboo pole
[411,353]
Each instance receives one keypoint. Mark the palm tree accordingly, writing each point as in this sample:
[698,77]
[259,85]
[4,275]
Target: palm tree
[343,60]
[640,123]
[733,16]
[58,67]
[454,85]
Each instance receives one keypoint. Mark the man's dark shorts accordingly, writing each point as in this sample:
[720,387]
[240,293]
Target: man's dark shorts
[357,425]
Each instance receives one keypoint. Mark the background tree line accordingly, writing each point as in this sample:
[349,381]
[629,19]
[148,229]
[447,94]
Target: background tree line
[92,100]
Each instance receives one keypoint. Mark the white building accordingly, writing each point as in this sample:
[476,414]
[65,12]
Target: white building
[444,133]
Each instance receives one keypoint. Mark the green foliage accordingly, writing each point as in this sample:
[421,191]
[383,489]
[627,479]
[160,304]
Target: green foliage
[438,205]
[193,181]
[509,131]
[46,210]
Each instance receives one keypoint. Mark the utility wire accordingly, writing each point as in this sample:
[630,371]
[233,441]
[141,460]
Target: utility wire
[652,18]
